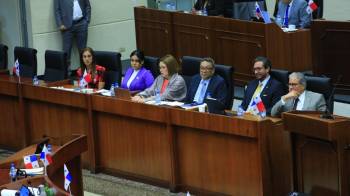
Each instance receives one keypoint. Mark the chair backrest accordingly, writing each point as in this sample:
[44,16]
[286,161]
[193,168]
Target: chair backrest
[151,63]
[27,60]
[189,67]
[111,61]
[56,65]
[322,85]
[226,72]
[3,56]
[282,76]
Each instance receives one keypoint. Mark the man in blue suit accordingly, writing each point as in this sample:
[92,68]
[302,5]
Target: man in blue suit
[269,89]
[72,19]
[207,83]
[293,12]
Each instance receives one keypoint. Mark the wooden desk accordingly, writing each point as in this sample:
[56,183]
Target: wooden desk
[174,148]
[68,153]
[230,42]
[321,153]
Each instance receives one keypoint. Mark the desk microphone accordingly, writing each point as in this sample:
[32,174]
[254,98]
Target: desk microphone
[327,114]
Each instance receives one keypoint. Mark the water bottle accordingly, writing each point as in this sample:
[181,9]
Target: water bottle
[279,20]
[204,12]
[158,98]
[173,6]
[13,172]
[240,111]
[111,90]
[35,81]
[167,6]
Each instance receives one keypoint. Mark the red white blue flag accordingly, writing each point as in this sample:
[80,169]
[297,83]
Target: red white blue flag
[67,177]
[312,6]
[31,161]
[45,156]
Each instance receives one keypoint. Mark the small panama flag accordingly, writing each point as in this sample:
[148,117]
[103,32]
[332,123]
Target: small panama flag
[257,10]
[31,161]
[16,68]
[84,80]
[45,156]
[258,106]
[312,6]
[67,178]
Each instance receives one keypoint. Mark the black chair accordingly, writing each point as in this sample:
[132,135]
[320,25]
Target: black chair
[56,66]
[322,85]
[3,56]
[189,67]
[226,72]
[27,61]
[282,76]
[151,63]
[111,61]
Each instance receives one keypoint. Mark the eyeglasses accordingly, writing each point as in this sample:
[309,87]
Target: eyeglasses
[206,68]
[258,68]
[293,84]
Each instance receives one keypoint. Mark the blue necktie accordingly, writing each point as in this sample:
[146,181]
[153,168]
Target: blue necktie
[200,97]
[285,21]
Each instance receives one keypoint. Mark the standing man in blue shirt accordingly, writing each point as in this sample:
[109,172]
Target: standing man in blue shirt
[72,19]
[206,83]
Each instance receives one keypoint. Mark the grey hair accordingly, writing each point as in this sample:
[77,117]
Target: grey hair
[300,77]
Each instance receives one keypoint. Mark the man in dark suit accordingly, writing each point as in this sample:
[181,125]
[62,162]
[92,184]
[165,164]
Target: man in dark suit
[72,18]
[269,89]
[207,83]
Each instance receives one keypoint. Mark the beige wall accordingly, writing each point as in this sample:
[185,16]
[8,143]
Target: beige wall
[10,27]
[112,27]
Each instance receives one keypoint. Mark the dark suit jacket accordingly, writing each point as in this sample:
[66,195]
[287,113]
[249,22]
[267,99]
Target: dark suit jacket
[270,95]
[217,88]
[214,7]
[64,11]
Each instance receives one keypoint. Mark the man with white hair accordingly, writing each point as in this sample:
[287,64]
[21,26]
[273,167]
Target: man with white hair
[298,97]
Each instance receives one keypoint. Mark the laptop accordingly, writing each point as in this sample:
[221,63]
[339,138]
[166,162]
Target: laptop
[215,106]
[122,93]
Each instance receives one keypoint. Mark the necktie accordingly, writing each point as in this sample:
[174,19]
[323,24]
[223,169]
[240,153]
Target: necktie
[295,104]
[202,92]
[257,90]
[286,15]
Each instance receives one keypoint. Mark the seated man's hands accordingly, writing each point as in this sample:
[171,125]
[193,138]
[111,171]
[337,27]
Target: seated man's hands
[137,99]
[291,95]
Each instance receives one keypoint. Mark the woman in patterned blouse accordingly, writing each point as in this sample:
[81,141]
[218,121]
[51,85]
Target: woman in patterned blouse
[88,70]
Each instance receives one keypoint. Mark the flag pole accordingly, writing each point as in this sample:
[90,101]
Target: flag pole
[70,192]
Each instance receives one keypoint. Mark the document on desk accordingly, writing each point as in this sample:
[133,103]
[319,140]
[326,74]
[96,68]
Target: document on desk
[167,103]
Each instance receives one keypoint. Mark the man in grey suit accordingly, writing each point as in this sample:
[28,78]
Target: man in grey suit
[298,98]
[293,12]
[72,18]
